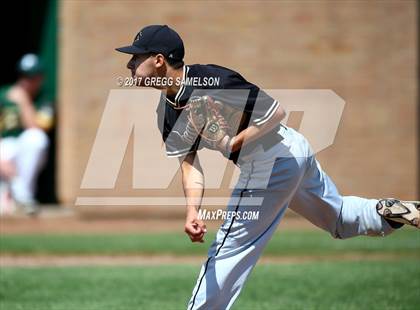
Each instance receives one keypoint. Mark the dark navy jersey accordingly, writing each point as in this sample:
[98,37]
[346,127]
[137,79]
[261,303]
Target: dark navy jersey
[224,85]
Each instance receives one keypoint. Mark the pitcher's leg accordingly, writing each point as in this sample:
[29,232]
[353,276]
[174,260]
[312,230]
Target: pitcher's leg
[319,201]
[359,217]
[231,258]
[240,242]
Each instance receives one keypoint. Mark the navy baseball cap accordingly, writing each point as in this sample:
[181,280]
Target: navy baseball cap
[156,39]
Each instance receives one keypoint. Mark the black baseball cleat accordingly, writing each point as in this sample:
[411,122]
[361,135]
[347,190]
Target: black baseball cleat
[405,212]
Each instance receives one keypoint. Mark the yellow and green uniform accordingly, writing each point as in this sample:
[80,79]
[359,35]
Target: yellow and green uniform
[10,120]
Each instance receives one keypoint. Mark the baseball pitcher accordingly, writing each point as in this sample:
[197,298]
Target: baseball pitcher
[209,106]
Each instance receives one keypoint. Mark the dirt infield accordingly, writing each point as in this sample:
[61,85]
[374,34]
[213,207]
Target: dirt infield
[68,221]
[152,260]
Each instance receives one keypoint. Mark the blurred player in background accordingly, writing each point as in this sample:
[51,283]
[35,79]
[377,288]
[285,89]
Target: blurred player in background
[23,142]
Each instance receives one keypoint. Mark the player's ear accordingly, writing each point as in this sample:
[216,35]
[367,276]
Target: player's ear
[159,60]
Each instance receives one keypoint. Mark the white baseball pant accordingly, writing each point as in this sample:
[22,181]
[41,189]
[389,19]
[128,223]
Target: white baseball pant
[28,152]
[286,175]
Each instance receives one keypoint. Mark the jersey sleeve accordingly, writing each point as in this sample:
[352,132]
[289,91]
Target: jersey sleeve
[262,107]
[242,95]
[171,135]
[251,100]
[176,147]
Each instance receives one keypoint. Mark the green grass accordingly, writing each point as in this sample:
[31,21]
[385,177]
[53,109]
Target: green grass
[406,241]
[356,285]
[314,285]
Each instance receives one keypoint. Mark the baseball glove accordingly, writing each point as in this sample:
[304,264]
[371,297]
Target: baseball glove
[215,122]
